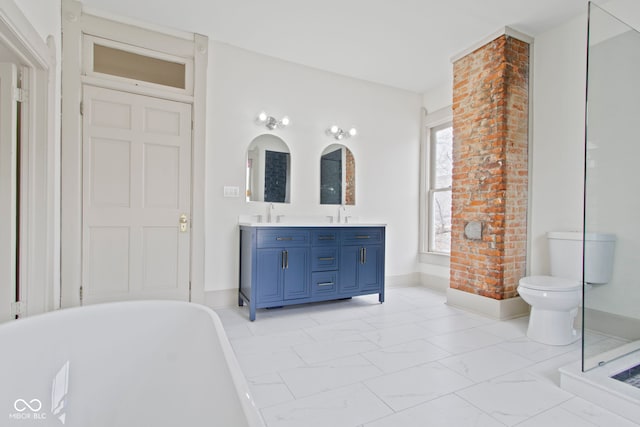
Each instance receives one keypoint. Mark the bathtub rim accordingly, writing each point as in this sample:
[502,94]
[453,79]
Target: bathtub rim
[249,408]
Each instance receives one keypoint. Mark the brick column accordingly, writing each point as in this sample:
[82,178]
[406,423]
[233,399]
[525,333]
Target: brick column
[350,190]
[490,177]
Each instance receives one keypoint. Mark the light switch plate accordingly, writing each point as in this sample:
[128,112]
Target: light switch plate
[230,191]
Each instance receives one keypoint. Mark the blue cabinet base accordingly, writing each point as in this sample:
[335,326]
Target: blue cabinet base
[252,307]
[282,266]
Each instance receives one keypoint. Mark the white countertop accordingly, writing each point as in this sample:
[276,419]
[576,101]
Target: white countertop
[324,224]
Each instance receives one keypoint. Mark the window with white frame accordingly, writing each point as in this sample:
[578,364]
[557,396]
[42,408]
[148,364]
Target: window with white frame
[439,194]
[436,168]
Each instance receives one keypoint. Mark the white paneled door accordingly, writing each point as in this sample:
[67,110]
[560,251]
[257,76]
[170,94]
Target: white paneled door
[8,188]
[136,197]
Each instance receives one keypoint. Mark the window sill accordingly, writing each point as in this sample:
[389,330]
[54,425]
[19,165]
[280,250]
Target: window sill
[434,258]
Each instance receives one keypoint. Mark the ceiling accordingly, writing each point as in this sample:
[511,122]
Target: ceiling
[406,44]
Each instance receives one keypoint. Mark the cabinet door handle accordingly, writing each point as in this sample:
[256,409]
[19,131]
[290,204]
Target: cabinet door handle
[364,255]
[280,239]
[361,255]
[363,237]
[286,256]
[326,284]
[326,237]
[326,258]
[282,259]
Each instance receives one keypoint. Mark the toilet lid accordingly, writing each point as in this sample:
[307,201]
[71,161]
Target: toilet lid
[548,283]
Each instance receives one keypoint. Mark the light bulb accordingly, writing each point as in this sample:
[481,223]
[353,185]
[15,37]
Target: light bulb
[285,121]
[333,129]
[262,116]
[353,132]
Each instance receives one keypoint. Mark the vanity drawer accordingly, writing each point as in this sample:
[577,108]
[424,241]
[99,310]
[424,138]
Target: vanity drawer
[324,237]
[324,258]
[324,283]
[362,235]
[282,237]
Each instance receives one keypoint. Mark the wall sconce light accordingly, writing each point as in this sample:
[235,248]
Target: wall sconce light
[271,122]
[339,134]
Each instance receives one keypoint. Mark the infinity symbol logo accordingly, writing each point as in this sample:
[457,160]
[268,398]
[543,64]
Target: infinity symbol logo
[21,405]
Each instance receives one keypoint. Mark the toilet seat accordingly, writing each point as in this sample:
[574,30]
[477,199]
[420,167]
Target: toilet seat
[550,284]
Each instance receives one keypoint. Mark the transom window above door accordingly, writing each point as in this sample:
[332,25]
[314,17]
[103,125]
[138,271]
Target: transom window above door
[113,60]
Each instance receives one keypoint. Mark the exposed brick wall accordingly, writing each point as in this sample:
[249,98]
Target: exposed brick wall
[490,177]
[350,191]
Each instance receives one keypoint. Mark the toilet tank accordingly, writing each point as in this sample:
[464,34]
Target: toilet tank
[565,255]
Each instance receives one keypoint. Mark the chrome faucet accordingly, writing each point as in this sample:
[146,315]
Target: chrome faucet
[342,214]
[270,213]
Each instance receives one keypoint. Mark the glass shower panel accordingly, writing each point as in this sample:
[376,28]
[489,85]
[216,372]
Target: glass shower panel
[611,311]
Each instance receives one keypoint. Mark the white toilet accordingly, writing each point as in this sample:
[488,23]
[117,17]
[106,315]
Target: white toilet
[554,299]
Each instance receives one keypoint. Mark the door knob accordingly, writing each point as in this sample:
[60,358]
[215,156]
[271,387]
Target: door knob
[183,223]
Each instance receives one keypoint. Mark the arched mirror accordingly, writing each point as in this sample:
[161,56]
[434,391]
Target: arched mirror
[337,176]
[268,170]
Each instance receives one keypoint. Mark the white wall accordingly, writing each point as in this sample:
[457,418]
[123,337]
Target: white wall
[613,201]
[558,156]
[44,15]
[386,151]
[240,84]
[438,97]
[557,151]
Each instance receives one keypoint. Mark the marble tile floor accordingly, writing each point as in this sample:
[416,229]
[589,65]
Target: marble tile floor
[412,361]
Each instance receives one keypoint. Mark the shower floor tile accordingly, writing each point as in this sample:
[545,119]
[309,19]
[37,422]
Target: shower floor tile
[629,376]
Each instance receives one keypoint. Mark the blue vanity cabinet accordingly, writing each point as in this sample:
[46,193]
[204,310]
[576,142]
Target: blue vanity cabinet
[282,265]
[296,273]
[362,262]
[283,274]
[274,266]
[293,265]
[324,262]
[270,280]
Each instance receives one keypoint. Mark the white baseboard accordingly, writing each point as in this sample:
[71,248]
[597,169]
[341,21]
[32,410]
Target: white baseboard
[611,324]
[496,309]
[221,299]
[437,283]
[411,279]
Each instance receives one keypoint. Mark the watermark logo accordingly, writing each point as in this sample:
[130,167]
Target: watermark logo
[21,405]
[31,410]
[59,392]
[28,410]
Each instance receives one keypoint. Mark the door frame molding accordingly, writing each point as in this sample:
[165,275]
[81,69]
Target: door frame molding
[75,23]
[39,213]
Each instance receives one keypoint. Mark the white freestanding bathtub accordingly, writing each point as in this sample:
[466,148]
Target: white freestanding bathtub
[146,363]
